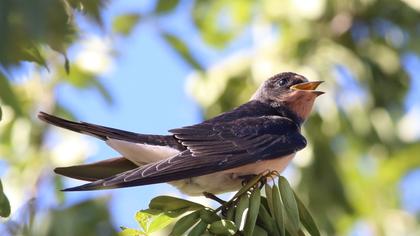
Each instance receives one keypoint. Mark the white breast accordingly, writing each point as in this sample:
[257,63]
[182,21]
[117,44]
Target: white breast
[229,180]
[277,164]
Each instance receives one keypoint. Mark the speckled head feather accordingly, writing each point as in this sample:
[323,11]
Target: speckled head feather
[289,90]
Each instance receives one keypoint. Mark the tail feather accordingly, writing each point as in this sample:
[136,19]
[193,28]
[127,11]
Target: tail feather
[97,170]
[106,133]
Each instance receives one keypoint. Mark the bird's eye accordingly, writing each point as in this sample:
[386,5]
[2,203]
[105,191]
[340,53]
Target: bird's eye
[282,82]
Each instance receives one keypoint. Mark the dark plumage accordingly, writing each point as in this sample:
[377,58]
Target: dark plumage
[264,129]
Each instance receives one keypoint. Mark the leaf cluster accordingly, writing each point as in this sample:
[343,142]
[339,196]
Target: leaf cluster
[277,211]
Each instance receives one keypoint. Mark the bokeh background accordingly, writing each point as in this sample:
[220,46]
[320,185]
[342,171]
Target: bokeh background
[149,66]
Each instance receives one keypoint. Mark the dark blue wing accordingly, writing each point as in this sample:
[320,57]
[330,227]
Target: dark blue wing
[213,147]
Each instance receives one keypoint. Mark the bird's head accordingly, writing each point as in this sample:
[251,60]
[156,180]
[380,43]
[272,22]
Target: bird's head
[290,90]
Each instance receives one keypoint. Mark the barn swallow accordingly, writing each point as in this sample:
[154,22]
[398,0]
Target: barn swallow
[213,156]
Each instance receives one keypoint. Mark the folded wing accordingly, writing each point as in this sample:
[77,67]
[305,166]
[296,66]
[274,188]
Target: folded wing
[213,147]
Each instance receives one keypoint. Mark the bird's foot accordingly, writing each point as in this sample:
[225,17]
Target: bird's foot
[269,174]
[214,197]
[246,178]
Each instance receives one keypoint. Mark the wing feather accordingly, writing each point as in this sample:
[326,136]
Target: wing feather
[213,147]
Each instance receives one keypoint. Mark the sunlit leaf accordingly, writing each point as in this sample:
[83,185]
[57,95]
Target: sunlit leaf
[143,219]
[209,15]
[130,232]
[8,96]
[4,203]
[153,220]
[34,55]
[81,78]
[124,24]
[159,222]
[182,49]
[168,203]
[165,6]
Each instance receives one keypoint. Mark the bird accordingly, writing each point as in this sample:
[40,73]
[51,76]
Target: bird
[213,156]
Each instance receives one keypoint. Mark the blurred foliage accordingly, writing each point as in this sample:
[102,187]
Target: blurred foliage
[89,213]
[355,140]
[280,212]
[85,218]
[357,154]
[182,49]
[4,203]
[41,31]
[125,23]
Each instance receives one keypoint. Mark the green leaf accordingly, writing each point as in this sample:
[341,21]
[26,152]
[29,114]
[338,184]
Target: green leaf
[223,227]
[33,54]
[269,195]
[208,215]
[143,219]
[182,49]
[230,213]
[159,222]
[1,113]
[241,209]
[4,203]
[186,222]
[266,221]
[124,24]
[8,96]
[258,231]
[278,209]
[130,232]
[153,220]
[254,208]
[290,204]
[80,78]
[168,203]
[306,218]
[198,229]
[165,6]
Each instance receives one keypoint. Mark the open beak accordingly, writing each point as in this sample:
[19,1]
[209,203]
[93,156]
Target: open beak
[308,86]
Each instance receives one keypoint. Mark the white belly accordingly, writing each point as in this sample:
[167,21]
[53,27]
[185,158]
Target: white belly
[213,183]
[277,164]
[229,180]
[220,182]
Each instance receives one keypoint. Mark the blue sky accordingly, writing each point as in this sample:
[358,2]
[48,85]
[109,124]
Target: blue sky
[147,85]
